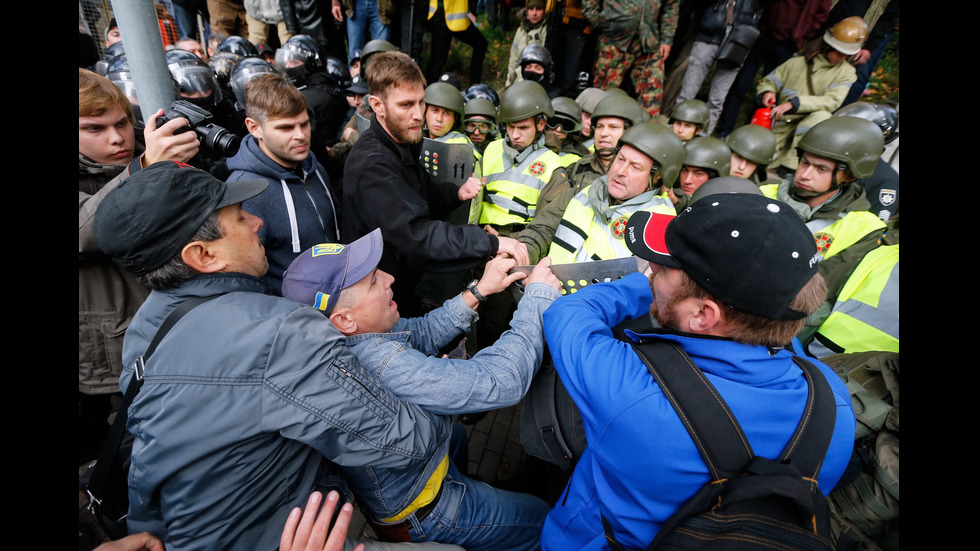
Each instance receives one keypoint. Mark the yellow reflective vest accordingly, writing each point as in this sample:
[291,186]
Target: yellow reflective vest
[587,234]
[865,316]
[457,18]
[510,195]
[834,235]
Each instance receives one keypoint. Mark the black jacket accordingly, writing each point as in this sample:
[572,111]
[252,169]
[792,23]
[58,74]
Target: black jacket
[712,27]
[386,187]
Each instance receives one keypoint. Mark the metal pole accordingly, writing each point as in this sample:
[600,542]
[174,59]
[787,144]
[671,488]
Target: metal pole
[137,20]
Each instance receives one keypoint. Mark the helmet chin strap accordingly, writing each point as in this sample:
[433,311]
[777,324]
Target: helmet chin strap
[804,194]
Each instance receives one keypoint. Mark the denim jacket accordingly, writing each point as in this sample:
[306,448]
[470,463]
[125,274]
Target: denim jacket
[497,376]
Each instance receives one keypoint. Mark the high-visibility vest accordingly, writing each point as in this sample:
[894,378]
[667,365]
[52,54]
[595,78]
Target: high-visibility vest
[865,316]
[457,13]
[568,158]
[835,235]
[510,195]
[583,236]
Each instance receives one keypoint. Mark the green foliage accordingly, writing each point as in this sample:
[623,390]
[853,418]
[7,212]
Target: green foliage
[883,85]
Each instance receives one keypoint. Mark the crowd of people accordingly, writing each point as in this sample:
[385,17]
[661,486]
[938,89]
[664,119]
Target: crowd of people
[350,226]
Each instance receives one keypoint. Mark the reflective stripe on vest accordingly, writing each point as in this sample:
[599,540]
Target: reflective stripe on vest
[581,236]
[511,195]
[865,316]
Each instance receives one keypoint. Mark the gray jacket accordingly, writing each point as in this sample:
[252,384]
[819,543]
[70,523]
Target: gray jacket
[244,403]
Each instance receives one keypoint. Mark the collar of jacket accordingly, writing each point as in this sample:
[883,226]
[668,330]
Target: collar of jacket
[407,153]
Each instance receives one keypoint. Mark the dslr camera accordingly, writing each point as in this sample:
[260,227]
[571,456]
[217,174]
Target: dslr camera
[215,140]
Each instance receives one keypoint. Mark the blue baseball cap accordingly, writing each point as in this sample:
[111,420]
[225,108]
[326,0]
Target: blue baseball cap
[318,275]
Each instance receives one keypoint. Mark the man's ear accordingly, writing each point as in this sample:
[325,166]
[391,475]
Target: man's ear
[708,319]
[343,321]
[253,127]
[202,257]
[376,104]
[540,124]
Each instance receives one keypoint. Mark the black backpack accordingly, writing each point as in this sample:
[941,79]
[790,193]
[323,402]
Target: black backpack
[750,502]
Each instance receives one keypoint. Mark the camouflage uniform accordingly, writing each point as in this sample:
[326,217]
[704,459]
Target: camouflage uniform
[632,32]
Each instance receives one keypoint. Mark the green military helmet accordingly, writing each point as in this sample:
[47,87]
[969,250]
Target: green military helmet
[709,153]
[725,184]
[568,113]
[375,46]
[754,143]
[856,142]
[524,99]
[660,144]
[480,106]
[621,106]
[693,111]
[589,98]
[445,95]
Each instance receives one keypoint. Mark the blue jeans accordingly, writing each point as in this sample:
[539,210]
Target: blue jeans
[365,14]
[479,517]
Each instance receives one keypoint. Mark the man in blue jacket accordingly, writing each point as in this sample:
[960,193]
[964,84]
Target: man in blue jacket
[731,279]
[298,208]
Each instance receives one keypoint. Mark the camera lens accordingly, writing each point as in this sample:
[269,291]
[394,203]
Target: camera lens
[220,141]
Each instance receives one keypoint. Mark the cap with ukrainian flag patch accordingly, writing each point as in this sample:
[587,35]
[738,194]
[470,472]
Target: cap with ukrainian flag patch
[318,275]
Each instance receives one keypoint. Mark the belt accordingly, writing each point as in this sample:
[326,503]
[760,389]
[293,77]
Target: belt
[400,531]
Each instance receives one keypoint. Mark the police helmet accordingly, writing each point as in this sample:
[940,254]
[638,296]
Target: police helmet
[524,99]
[710,154]
[300,57]
[196,80]
[753,142]
[855,142]
[244,71]
[693,111]
[885,116]
[481,90]
[660,144]
[238,45]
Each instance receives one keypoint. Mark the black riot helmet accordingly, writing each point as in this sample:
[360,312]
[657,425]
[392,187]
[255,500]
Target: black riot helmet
[222,64]
[338,75]
[884,115]
[481,90]
[536,53]
[244,71]
[300,57]
[238,45]
[113,51]
[196,80]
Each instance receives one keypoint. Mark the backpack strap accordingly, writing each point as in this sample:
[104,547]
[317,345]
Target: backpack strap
[808,447]
[713,427]
[110,447]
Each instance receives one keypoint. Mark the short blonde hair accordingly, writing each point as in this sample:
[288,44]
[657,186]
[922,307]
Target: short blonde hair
[97,94]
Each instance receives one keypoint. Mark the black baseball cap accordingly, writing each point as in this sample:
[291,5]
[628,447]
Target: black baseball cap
[148,219]
[751,252]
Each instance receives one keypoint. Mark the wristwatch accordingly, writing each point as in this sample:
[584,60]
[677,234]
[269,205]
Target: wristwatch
[476,292]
